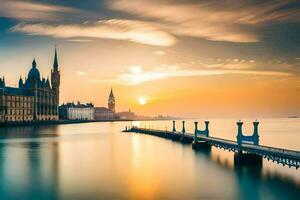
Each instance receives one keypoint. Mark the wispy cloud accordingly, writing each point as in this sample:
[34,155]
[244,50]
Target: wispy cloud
[134,77]
[234,21]
[26,10]
[161,53]
[130,30]
[80,73]
[135,69]
[237,64]
[79,40]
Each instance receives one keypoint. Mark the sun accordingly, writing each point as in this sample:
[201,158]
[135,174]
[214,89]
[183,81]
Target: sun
[142,100]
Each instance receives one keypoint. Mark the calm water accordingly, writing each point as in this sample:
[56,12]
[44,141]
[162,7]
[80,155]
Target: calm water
[96,161]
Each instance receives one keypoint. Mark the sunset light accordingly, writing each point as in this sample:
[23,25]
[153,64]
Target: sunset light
[142,101]
[149,99]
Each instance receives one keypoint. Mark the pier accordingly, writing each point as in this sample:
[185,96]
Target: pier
[246,149]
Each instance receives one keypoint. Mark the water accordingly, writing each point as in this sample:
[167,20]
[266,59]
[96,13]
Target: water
[97,161]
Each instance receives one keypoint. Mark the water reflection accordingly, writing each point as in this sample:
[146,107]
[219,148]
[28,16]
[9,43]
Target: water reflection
[253,183]
[28,131]
[28,169]
[96,161]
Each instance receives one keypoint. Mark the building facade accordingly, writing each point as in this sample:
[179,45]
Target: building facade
[102,113]
[35,98]
[15,106]
[72,111]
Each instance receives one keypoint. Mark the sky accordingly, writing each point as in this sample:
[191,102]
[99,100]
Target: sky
[188,58]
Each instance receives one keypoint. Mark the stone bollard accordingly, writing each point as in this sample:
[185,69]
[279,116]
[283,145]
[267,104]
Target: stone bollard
[174,128]
[255,133]
[206,128]
[183,127]
[240,132]
[196,132]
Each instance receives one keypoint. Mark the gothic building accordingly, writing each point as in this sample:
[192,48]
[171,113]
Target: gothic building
[111,101]
[35,98]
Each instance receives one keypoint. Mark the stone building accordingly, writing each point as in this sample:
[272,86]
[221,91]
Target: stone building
[102,113]
[15,105]
[72,111]
[34,99]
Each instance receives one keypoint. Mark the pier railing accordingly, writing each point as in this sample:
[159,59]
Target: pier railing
[245,145]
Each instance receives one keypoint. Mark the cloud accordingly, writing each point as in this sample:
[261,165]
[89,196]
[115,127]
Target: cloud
[79,40]
[25,10]
[233,21]
[130,30]
[81,73]
[132,78]
[135,69]
[161,53]
[229,64]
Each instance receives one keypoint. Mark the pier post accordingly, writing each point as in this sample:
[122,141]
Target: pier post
[183,127]
[255,133]
[195,133]
[206,128]
[184,139]
[240,133]
[174,128]
[200,144]
[241,158]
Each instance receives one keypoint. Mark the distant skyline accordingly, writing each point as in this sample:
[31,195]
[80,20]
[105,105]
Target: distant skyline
[182,58]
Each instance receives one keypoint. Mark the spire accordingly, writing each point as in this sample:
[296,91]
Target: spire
[20,82]
[47,82]
[2,82]
[55,74]
[111,95]
[34,63]
[55,64]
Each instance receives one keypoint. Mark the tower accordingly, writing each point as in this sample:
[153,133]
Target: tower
[111,101]
[55,82]
[55,74]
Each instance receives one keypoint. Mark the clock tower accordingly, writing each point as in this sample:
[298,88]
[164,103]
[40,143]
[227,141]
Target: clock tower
[111,101]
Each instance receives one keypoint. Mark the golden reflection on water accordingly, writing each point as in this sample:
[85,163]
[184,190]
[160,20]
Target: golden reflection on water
[141,183]
[95,161]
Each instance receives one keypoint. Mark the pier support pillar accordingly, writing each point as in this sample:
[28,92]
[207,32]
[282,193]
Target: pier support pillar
[241,158]
[186,140]
[201,145]
[176,137]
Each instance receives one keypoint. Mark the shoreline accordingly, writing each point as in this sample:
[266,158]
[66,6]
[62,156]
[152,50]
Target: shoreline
[58,122]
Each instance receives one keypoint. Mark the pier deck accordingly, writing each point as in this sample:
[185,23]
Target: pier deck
[281,156]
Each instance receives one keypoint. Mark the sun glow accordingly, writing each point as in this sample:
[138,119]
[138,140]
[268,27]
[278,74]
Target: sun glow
[142,100]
